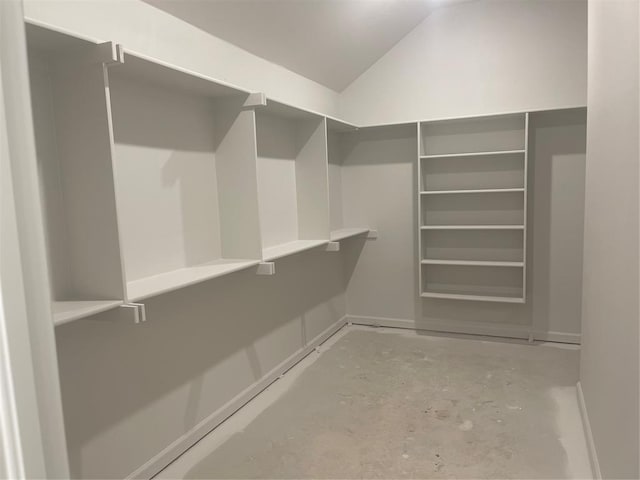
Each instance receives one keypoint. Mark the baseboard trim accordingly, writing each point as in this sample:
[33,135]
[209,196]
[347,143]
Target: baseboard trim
[504,331]
[182,444]
[586,425]
[560,337]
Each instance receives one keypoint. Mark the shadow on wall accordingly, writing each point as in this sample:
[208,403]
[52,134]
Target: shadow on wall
[131,390]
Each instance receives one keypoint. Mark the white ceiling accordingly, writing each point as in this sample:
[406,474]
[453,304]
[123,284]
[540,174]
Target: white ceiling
[329,41]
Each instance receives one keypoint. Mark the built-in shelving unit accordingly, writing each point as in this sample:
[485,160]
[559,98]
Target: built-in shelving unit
[76,178]
[472,195]
[343,222]
[185,174]
[154,178]
[291,179]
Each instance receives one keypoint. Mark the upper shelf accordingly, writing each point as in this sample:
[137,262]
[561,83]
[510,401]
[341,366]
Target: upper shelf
[154,71]
[53,41]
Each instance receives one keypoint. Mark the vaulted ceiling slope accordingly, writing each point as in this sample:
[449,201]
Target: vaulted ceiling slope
[329,41]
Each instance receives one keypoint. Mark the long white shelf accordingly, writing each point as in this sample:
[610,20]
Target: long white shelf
[183,277]
[343,233]
[472,263]
[290,248]
[68,311]
[473,154]
[477,298]
[472,227]
[483,190]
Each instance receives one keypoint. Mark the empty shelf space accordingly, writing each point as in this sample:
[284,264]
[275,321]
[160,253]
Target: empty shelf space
[472,263]
[343,233]
[291,248]
[473,154]
[477,298]
[183,277]
[472,227]
[68,311]
[482,190]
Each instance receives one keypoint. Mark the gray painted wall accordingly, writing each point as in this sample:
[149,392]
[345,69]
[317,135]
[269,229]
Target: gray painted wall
[474,58]
[609,363]
[129,391]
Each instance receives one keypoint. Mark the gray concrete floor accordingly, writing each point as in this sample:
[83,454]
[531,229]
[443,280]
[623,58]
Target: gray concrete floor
[381,403]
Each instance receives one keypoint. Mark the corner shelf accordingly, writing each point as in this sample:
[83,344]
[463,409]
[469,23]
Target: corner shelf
[343,233]
[65,312]
[169,281]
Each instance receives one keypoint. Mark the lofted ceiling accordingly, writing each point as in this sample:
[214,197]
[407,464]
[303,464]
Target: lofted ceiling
[329,41]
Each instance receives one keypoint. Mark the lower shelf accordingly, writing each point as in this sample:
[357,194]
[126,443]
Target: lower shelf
[343,233]
[472,263]
[290,248]
[473,297]
[68,311]
[183,277]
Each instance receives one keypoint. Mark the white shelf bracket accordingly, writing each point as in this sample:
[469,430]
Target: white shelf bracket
[134,310]
[266,268]
[138,310]
[372,235]
[332,247]
[142,311]
[257,99]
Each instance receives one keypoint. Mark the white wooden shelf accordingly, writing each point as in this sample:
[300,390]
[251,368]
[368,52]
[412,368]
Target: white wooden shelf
[469,262]
[183,277]
[472,263]
[482,190]
[477,298]
[472,227]
[474,154]
[68,311]
[341,234]
[290,248]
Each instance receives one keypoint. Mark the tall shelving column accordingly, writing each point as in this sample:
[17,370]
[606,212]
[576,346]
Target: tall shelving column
[472,201]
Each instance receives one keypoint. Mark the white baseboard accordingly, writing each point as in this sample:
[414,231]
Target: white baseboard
[506,331]
[182,444]
[561,337]
[586,425]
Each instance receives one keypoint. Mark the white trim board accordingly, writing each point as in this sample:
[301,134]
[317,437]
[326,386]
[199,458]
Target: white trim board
[586,424]
[156,464]
[505,331]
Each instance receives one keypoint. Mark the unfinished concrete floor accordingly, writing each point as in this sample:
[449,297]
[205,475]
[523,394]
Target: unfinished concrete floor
[380,403]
